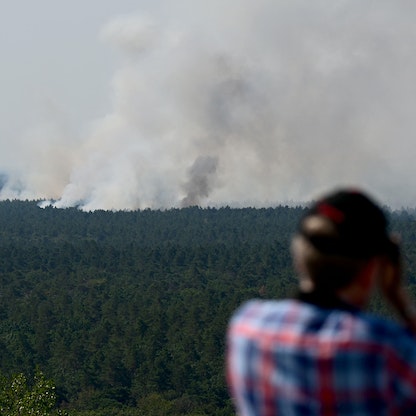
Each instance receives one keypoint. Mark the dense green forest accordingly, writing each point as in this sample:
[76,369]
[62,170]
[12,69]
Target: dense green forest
[126,311]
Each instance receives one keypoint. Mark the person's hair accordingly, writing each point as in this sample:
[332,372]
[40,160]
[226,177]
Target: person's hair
[328,271]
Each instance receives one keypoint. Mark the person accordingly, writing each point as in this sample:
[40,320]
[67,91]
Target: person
[321,352]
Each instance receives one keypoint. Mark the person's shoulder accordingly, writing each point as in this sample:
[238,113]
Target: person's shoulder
[259,307]
[260,312]
[388,332]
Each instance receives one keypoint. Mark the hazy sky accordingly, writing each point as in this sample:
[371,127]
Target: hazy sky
[134,104]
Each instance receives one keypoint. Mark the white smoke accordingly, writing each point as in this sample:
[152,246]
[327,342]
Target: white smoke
[245,103]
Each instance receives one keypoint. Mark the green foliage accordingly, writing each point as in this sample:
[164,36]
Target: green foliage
[19,398]
[127,311]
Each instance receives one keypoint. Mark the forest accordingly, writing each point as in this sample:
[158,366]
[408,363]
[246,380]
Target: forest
[126,312]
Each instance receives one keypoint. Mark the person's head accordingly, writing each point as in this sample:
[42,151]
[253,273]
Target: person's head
[338,237]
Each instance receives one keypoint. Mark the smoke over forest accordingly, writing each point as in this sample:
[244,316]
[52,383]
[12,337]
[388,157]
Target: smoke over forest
[240,103]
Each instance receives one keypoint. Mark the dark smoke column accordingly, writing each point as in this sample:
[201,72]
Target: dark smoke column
[202,175]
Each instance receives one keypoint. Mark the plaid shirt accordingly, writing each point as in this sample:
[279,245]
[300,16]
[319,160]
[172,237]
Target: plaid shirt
[291,357]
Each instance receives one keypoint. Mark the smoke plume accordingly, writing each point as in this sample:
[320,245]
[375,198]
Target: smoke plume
[201,176]
[240,103]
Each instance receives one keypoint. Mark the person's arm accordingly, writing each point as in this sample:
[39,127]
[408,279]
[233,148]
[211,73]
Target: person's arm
[391,285]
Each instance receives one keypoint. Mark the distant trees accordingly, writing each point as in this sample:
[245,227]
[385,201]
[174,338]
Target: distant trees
[127,311]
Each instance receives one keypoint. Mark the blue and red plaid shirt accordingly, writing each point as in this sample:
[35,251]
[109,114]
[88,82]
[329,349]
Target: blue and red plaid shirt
[293,357]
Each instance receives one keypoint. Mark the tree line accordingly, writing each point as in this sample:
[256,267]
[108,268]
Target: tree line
[126,311]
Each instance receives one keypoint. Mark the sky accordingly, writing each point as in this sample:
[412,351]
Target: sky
[156,104]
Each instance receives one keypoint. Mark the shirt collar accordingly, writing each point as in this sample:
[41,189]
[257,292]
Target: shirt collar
[326,300]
